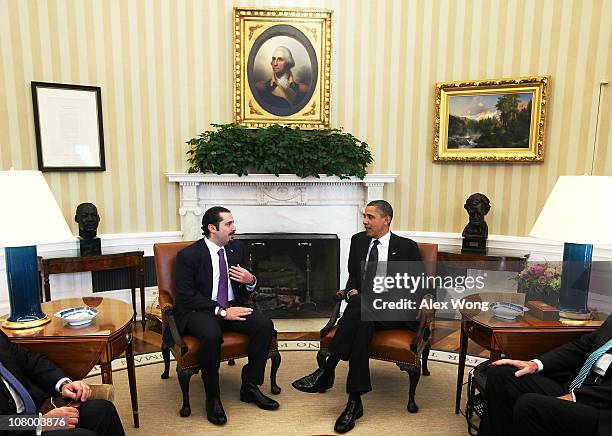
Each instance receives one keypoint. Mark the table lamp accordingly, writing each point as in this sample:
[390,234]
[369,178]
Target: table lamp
[578,212]
[30,215]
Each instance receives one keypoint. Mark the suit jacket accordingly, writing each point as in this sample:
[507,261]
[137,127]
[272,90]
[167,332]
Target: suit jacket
[194,278]
[37,373]
[564,363]
[400,250]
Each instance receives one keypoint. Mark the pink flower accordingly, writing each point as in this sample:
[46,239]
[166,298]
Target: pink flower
[537,269]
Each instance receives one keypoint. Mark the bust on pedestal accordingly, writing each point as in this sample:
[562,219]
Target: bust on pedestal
[476,231]
[88,219]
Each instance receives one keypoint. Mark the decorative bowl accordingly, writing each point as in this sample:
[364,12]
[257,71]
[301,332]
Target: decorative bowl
[508,311]
[77,316]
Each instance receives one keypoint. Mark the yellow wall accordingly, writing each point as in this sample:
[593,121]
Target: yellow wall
[165,72]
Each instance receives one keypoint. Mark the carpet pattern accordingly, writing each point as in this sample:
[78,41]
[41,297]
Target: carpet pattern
[300,413]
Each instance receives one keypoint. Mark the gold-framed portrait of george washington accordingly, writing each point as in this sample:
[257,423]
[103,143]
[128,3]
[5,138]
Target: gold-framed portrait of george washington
[282,67]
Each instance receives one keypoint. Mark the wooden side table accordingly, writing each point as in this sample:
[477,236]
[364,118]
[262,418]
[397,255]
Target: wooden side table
[494,260]
[523,338]
[134,260]
[78,349]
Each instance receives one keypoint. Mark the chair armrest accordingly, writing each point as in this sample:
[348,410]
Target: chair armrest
[421,339]
[176,337]
[101,391]
[338,297]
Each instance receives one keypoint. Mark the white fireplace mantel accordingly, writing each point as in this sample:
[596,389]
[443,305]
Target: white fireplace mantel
[265,203]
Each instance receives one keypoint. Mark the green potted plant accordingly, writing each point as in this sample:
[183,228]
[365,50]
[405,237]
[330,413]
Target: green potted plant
[277,149]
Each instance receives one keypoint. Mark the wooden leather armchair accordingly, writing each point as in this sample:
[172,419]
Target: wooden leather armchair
[185,349]
[402,346]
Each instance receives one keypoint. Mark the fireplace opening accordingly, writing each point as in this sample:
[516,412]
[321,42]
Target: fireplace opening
[297,273]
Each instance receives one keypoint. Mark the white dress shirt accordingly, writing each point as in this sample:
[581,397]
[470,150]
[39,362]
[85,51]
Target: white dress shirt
[214,257]
[383,247]
[383,253]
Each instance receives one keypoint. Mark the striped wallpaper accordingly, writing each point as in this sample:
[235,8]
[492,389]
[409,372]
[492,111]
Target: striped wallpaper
[165,71]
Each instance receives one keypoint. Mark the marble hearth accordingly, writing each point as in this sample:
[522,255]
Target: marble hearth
[263,203]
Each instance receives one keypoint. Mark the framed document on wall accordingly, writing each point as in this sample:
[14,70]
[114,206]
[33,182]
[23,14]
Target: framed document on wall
[282,67]
[68,126]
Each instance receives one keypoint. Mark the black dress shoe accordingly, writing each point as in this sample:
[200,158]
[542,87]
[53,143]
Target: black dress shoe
[215,412]
[250,393]
[346,420]
[319,381]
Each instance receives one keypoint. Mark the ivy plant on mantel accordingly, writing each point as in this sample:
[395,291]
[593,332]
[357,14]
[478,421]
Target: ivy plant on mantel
[277,149]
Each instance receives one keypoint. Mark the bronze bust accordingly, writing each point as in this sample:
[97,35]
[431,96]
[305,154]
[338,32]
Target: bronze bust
[476,231]
[88,219]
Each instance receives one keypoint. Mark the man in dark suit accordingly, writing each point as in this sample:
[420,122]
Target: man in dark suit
[28,380]
[566,391]
[211,281]
[353,336]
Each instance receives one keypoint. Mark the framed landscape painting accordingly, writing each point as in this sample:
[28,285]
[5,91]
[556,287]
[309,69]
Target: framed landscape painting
[282,67]
[491,120]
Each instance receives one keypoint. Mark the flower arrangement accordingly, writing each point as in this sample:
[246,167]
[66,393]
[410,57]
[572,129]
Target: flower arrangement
[540,279]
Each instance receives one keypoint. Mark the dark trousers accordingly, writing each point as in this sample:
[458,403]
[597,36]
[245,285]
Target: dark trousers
[96,417]
[528,406]
[209,330]
[352,341]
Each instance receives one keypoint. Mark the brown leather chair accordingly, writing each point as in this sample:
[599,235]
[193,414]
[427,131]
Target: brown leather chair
[401,346]
[185,349]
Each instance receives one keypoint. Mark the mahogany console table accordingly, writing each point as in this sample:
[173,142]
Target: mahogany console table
[494,260]
[78,349]
[523,339]
[72,262]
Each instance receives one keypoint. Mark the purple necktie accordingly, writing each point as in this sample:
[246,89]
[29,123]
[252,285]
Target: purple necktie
[222,291]
[28,402]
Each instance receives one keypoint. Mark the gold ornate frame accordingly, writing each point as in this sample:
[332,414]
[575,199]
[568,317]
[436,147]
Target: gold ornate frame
[536,85]
[251,27]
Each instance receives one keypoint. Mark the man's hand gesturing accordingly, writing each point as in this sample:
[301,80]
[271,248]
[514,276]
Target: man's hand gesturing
[241,275]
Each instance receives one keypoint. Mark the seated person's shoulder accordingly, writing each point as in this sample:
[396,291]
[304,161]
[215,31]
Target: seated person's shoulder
[359,236]
[191,249]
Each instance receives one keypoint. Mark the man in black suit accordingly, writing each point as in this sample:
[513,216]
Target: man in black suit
[566,391]
[211,281]
[28,380]
[353,336]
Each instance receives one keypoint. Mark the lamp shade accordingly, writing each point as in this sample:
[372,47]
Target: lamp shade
[578,210]
[30,215]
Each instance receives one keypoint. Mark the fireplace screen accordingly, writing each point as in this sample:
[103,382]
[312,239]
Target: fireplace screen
[297,273]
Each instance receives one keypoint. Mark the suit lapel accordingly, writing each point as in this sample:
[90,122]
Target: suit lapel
[393,248]
[232,255]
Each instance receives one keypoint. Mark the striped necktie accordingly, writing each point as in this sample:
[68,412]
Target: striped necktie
[20,389]
[586,368]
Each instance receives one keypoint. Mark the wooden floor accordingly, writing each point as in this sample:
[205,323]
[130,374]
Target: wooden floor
[445,337]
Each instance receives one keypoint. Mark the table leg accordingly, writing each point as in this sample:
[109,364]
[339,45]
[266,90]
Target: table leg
[47,287]
[143,320]
[463,343]
[106,369]
[129,358]
[133,286]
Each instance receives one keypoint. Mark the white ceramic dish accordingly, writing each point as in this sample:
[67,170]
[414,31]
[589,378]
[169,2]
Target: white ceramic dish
[508,311]
[77,316]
